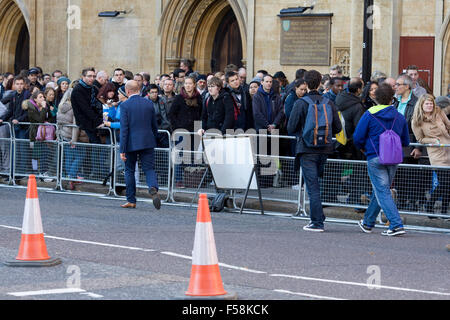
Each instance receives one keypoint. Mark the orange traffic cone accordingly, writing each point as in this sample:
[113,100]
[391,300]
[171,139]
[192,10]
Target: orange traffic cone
[206,280]
[32,250]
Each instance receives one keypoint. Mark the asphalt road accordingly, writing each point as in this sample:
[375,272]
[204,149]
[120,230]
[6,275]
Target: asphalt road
[113,254]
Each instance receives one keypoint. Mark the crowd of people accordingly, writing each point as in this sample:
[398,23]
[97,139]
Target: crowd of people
[225,101]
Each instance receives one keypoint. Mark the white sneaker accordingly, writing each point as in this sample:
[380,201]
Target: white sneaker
[313,228]
[393,233]
[45,177]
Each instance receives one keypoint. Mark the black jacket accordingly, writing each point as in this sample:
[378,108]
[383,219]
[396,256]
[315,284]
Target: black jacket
[182,116]
[297,123]
[260,111]
[219,114]
[15,111]
[161,113]
[409,113]
[352,109]
[87,115]
[243,100]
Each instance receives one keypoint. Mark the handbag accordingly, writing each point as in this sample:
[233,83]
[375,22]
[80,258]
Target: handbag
[341,137]
[45,133]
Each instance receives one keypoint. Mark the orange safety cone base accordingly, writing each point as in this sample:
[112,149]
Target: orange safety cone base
[33,248]
[206,281]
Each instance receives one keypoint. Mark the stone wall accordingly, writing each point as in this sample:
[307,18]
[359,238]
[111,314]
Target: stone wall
[268,30]
[129,41]
[133,41]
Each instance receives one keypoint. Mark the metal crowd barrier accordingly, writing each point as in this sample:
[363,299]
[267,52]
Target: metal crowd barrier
[278,180]
[419,190]
[40,158]
[416,188]
[163,168]
[190,174]
[87,162]
[6,149]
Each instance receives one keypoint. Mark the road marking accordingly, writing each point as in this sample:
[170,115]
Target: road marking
[92,295]
[359,284]
[100,244]
[141,249]
[242,268]
[88,242]
[46,292]
[9,227]
[307,295]
[176,255]
[220,264]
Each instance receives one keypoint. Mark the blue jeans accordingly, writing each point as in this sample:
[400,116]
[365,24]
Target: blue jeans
[313,167]
[382,177]
[147,158]
[73,158]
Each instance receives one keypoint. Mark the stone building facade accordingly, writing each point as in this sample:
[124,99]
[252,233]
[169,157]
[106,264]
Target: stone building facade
[153,35]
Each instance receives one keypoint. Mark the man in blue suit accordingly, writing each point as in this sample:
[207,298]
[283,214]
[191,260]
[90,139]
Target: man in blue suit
[138,129]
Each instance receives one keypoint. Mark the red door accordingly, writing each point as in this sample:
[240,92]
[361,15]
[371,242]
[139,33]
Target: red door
[418,51]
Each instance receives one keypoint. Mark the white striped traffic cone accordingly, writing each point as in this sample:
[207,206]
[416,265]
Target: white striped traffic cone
[32,250]
[206,280]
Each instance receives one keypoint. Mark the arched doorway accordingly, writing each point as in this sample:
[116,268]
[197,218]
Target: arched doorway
[188,29]
[227,47]
[14,38]
[22,59]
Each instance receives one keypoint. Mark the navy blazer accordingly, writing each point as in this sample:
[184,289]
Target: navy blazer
[138,127]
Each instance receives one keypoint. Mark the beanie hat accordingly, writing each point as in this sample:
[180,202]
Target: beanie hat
[62,79]
[123,92]
[443,102]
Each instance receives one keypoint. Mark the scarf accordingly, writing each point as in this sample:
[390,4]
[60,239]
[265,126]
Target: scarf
[93,97]
[190,101]
[235,91]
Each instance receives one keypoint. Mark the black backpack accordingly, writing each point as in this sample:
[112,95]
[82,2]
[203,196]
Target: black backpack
[218,202]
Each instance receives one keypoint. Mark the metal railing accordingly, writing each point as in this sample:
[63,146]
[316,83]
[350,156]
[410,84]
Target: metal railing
[6,149]
[163,168]
[86,162]
[419,190]
[279,180]
[190,174]
[31,156]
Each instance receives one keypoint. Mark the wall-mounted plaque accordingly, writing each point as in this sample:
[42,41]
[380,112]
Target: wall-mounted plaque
[306,40]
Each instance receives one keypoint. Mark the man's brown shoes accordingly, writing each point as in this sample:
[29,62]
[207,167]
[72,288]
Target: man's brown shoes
[129,206]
